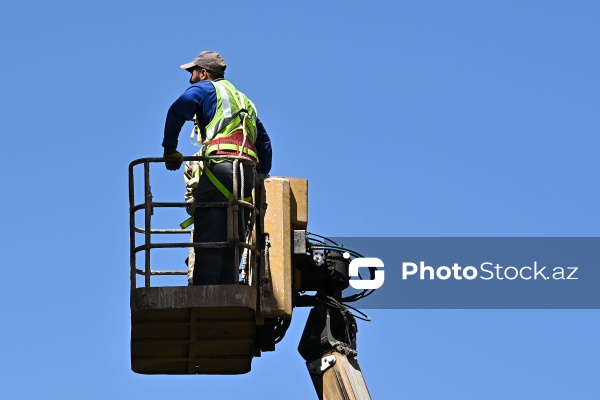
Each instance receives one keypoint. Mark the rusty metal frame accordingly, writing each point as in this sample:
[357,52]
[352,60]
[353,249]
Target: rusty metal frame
[149,205]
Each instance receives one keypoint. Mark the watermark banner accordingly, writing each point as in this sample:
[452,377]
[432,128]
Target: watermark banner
[477,273]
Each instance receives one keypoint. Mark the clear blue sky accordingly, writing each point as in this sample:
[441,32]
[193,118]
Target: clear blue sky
[433,118]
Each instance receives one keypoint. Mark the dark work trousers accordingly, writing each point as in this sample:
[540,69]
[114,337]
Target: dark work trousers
[218,266]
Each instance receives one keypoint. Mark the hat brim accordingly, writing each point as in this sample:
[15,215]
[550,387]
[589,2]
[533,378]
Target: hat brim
[188,66]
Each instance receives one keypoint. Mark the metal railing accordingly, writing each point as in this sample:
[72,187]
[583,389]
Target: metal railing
[148,206]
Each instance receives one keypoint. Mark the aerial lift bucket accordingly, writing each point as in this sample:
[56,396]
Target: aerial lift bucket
[187,329]
[215,329]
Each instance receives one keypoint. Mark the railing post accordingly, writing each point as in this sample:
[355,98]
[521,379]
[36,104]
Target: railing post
[235,207]
[132,252]
[147,222]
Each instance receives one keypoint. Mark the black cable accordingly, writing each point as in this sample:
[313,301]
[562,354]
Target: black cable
[344,307]
[366,317]
[364,293]
[322,237]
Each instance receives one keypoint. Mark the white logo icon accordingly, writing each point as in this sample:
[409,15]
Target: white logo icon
[366,262]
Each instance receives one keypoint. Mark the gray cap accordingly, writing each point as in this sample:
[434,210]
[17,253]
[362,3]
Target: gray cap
[209,60]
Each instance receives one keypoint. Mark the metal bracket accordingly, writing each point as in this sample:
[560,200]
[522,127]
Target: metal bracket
[319,366]
[300,242]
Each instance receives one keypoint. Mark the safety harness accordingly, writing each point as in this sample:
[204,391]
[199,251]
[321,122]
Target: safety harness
[224,136]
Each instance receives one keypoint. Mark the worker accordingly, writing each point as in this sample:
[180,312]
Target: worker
[226,123]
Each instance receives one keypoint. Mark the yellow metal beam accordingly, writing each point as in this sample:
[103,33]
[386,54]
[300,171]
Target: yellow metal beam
[276,266]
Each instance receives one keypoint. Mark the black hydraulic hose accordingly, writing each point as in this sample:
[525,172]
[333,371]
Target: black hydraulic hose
[322,237]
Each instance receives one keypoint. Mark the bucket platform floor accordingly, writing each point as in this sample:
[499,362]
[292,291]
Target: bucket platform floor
[193,329]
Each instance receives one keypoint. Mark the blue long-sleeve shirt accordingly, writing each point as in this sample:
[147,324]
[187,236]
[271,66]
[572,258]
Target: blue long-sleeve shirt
[200,99]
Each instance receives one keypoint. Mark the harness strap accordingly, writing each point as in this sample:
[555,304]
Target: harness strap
[187,222]
[228,195]
[232,147]
[221,188]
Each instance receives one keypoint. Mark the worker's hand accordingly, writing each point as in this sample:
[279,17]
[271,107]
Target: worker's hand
[173,161]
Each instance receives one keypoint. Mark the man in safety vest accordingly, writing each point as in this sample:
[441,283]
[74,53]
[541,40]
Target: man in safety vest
[226,123]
